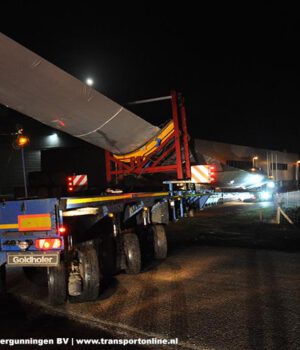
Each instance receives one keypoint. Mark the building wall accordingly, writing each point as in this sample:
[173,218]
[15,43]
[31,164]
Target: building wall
[11,174]
[228,153]
[41,138]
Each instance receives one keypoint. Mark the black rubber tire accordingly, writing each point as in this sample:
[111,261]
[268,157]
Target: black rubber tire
[132,251]
[2,279]
[90,274]
[57,284]
[160,242]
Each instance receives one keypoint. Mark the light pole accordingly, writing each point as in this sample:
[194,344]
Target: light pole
[253,161]
[23,141]
[24,172]
[297,174]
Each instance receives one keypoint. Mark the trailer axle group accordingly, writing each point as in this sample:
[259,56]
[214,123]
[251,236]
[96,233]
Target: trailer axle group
[81,241]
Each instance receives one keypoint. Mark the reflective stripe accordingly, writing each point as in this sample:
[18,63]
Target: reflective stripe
[8,226]
[97,199]
[79,180]
[156,194]
[115,198]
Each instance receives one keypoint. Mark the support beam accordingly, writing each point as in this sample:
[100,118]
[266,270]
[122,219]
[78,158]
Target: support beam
[177,135]
[107,166]
[149,100]
[185,139]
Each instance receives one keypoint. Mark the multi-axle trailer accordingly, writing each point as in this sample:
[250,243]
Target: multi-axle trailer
[82,240]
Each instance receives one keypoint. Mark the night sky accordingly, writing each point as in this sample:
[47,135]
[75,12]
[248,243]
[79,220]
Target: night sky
[238,67]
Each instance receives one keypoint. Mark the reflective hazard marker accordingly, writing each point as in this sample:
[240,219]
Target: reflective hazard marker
[203,174]
[77,183]
[34,222]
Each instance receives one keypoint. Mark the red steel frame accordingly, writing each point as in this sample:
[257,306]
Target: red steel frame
[177,141]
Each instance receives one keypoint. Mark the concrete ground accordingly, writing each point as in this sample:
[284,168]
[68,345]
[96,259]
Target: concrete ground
[231,281]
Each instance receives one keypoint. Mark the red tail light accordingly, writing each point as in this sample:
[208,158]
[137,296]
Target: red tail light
[62,230]
[212,174]
[48,243]
[70,183]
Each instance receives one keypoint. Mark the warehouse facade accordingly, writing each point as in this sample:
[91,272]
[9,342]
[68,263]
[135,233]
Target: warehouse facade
[281,167]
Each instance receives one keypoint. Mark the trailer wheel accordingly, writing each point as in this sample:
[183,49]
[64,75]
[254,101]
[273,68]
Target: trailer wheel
[132,251]
[160,242]
[2,279]
[57,284]
[90,273]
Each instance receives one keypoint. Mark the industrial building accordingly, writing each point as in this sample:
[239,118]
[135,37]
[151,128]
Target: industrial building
[280,166]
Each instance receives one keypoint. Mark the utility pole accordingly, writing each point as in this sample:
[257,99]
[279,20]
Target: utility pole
[297,174]
[21,142]
[24,172]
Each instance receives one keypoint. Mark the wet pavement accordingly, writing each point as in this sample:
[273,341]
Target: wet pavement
[231,281]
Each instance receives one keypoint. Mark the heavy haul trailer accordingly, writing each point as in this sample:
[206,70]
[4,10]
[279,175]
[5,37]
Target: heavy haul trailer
[80,240]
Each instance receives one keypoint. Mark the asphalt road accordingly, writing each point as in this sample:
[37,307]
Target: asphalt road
[231,281]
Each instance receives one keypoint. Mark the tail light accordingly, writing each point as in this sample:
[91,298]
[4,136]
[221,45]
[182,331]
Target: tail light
[70,183]
[62,230]
[48,243]
[212,173]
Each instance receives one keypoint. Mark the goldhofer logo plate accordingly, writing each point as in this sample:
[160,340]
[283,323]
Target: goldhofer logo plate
[32,259]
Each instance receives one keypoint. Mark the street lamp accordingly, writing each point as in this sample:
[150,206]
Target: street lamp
[52,140]
[253,161]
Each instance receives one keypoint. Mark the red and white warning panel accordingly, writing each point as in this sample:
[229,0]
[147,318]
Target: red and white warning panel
[77,183]
[203,174]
